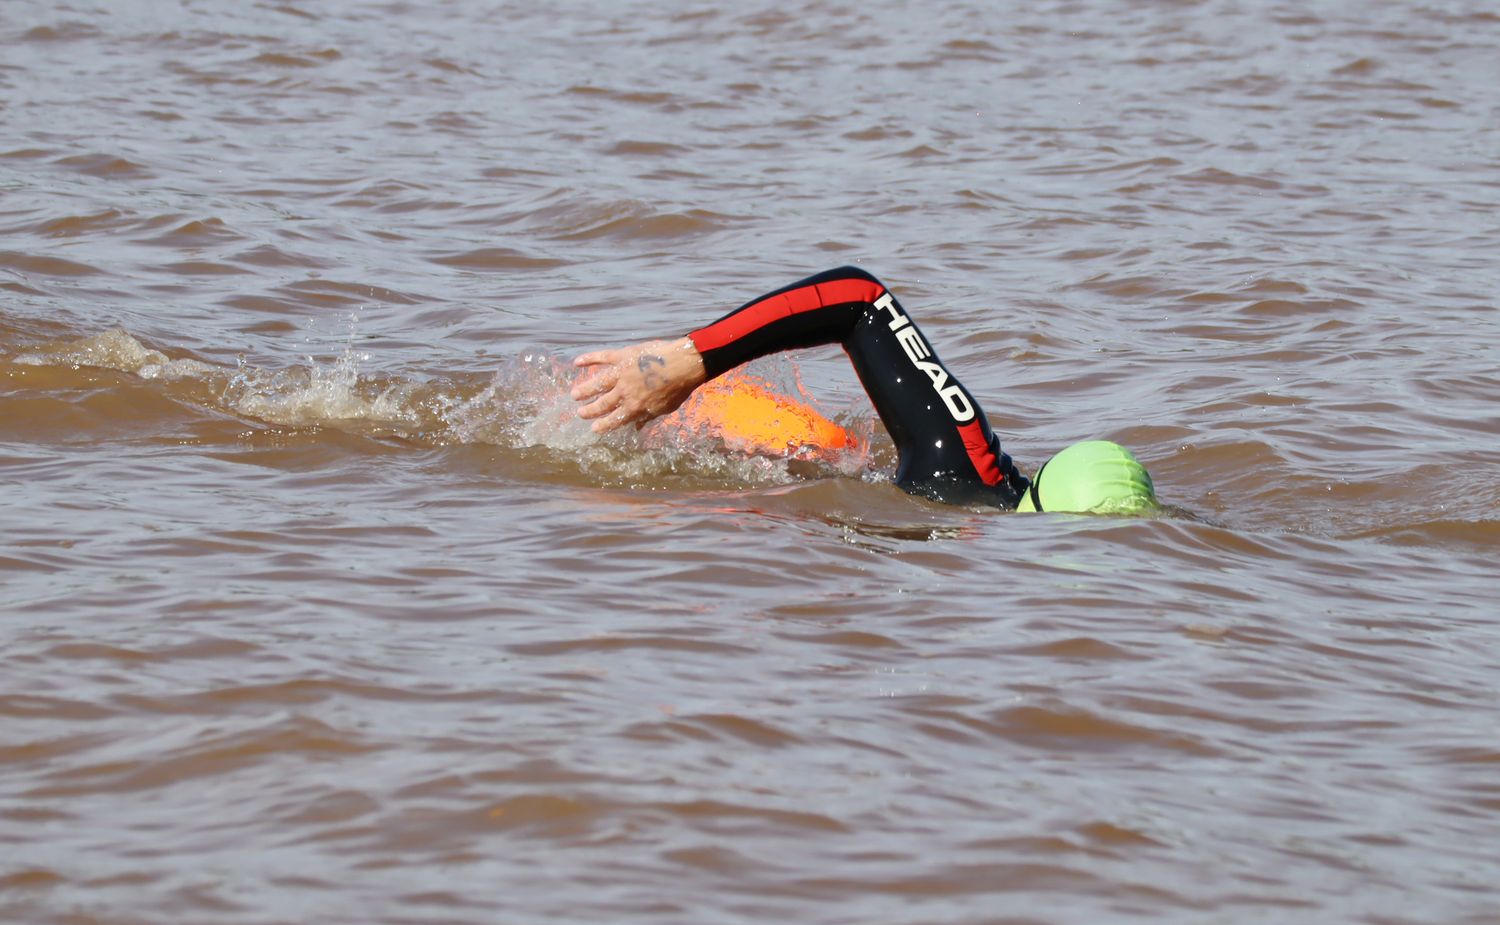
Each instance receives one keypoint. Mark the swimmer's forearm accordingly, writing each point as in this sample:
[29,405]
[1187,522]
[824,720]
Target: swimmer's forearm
[632,385]
[636,384]
[821,309]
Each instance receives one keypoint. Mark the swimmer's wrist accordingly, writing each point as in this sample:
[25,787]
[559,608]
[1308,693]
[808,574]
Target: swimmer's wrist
[688,363]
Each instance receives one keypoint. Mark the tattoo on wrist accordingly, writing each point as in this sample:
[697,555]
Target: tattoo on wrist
[651,367]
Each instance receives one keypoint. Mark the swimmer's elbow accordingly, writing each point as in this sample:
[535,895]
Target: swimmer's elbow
[850,271]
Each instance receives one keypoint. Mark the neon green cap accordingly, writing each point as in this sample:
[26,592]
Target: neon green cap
[1095,476]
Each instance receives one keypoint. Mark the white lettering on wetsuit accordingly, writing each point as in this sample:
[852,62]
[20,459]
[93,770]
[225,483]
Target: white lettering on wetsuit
[918,352]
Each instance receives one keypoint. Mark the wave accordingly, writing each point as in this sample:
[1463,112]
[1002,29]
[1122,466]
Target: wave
[521,406]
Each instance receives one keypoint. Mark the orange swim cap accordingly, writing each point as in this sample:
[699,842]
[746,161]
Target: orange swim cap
[751,417]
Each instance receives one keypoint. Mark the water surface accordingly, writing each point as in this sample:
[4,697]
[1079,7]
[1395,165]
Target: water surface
[318,607]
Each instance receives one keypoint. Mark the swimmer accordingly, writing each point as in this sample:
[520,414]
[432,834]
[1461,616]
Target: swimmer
[945,449]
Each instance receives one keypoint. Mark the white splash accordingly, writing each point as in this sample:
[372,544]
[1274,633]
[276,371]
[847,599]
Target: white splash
[525,405]
[114,349]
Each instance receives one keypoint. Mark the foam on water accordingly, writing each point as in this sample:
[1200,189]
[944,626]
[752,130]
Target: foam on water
[115,349]
[322,393]
[524,404]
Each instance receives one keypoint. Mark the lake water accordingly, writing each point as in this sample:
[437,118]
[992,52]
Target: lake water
[317,606]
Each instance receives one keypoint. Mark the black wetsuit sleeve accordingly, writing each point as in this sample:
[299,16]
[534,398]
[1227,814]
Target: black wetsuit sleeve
[944,446]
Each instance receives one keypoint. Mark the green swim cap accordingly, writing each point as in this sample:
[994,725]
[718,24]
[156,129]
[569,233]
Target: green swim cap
[1095,476]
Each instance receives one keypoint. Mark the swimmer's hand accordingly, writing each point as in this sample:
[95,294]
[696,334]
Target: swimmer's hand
[632,385]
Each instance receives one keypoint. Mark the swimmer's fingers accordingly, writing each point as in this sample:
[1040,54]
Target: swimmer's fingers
[604,402]
[598,358]
[614,411]
[614,421]
[603,415]
[634,384]
[592,385]
[600,373]
[600,385]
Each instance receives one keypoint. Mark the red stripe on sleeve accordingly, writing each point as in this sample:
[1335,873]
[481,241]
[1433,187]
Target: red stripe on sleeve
[757,315]
[980,453]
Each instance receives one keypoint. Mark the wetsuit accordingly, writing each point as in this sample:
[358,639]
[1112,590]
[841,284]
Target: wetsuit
[944,446]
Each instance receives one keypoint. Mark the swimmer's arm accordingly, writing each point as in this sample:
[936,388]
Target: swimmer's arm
[634,384]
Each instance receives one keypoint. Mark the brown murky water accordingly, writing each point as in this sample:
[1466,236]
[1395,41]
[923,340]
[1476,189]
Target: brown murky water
[317,608]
